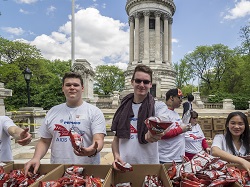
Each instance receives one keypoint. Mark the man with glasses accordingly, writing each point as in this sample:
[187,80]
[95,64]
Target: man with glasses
[172,145]
[133,143]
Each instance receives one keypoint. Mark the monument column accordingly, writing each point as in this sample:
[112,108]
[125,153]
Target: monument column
[165,42]
[136,59]
[131,39]
[157,37]
[170,40]
[146,36]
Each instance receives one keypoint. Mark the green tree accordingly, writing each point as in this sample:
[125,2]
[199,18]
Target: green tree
[10,51]
[108,79]
[209,64]
[245,40]
[184,74]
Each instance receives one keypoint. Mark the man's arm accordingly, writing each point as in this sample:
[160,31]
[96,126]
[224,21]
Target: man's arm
[22,136]
[40,151]
[92,150]
[116,152]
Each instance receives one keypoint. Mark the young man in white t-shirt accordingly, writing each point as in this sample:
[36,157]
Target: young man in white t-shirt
[8,129]
[85,119]
[133,143]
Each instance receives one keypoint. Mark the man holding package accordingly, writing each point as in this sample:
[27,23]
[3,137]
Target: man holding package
[75,129]
[172,145]
[133,143]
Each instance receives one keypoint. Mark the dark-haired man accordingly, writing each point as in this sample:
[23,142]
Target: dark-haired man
[133,143]
[172,145]
[84,118]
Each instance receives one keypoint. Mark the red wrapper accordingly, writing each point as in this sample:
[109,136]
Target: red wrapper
[76,139]
[124,167]
[156,125]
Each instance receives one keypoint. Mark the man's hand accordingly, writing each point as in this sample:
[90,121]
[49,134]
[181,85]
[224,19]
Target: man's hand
[25,137]
[33,163]
[88,151]
[149,137]
[117,160]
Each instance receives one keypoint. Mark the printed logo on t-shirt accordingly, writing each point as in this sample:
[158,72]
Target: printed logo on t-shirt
[64,133]
[133,132]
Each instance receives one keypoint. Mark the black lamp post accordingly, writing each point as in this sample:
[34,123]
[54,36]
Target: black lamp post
[27,76]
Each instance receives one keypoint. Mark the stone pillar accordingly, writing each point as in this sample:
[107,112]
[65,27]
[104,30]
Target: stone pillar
[165,40]
[170,41]
[136,58]
[197,100]
[115,101]
[83,67]
[94,100]
[157,37]
[3,94]
[228,104]
[146,37]
[34,118]
[131,39]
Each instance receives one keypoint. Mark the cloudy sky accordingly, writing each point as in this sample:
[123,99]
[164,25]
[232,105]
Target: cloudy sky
[102,32]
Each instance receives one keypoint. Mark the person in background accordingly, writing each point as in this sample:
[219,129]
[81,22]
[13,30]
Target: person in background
[172,144]
[235,141]
[8,129]
[85,119]
[195,140]
[187,106]
[133,143]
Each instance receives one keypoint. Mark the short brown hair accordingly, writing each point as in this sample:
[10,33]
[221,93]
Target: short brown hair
[143,68]
[72,75]
[194,114]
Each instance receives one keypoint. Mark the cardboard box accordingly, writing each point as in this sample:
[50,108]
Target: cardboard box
[219,123]
[4,164]
[137,176]
[217,132]
[43,169]
[207,134]
[102,171]
[206,123]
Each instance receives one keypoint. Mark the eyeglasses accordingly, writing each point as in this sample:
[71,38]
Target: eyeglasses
[180,97]
[138,81]
[194,118]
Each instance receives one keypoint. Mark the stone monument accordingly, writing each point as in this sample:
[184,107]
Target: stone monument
[3,94]
[83,67]
[151,43]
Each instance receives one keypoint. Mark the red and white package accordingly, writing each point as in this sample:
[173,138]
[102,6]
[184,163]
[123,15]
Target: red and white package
[76,139]
[157,125]
[124,167]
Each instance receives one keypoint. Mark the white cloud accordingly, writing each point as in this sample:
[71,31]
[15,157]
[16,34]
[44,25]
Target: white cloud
[16,31]
[23,11]
[26,1]
[98,39]
[174,40]
[241,9]
[104,5]
[50,10]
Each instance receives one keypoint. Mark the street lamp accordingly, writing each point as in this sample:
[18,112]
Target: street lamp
[27,76]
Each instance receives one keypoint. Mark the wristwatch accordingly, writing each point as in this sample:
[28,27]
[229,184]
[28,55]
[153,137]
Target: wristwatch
[93,154]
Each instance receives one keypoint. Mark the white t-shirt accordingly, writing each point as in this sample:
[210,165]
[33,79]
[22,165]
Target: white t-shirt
[193,140]
[172,148]
[5,142]
[87,119]
[131,150]
[220,141]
